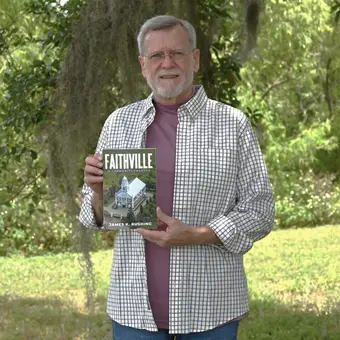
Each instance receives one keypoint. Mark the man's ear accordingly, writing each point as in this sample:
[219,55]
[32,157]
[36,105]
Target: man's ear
[196,55]
[142,65]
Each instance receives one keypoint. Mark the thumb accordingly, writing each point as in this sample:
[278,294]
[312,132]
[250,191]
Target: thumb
[163,217]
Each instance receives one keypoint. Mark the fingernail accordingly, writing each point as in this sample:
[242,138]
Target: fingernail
[100,157]
[100,165]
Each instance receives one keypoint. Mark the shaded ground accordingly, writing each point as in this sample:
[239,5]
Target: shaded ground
[33,318]
[50,318]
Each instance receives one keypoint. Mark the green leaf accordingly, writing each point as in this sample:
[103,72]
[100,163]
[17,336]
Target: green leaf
[35,199]
[34,155]
[337,16]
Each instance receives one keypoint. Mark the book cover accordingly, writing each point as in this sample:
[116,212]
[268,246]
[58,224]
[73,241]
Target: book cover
[129,188]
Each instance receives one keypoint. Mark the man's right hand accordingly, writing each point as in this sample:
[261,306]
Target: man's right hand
[93,174]
[93,177]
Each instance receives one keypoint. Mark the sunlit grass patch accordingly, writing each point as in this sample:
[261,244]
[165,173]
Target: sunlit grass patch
[293,277]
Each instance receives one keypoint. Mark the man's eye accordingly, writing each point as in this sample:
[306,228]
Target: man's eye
[178,54]
[156,56]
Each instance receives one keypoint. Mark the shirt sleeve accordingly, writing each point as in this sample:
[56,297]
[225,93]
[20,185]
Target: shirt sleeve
[86,216]
[252,217]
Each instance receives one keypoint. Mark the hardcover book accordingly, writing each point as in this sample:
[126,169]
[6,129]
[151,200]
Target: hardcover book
[129,188]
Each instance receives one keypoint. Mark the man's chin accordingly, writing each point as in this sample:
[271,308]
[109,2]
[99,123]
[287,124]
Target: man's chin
[168,94]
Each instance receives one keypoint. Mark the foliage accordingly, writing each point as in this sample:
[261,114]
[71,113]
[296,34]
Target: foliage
[147,212]
[336,10]
[30,58]
[304,196]
[60,80]
[293,278]
[45,230]
[312,200]
[32,46]
[290,86]
[53,47]
[286,154]
[298,85]
[130,217]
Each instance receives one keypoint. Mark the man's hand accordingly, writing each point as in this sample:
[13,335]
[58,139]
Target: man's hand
[93,177]
[178,233]
[93,173]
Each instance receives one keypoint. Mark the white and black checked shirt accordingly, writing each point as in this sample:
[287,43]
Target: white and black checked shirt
[221,181]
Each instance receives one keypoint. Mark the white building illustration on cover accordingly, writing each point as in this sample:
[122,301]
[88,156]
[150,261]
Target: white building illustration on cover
[130,193]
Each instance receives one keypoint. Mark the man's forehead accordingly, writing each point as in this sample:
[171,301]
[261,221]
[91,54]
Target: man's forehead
[168,38]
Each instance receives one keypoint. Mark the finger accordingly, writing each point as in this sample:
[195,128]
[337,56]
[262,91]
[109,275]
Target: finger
[92,170]
[163,217]
[157,237]
[93,162]
[151,235]
[93,179]
[98,156]
[160,223]
[143,232]
[159,243]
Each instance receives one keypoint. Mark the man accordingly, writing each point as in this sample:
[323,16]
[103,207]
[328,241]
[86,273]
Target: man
[214,200]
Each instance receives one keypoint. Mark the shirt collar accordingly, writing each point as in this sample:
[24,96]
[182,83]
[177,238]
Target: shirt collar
[193,106]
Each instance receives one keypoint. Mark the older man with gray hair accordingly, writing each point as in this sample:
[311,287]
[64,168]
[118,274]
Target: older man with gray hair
[185,280]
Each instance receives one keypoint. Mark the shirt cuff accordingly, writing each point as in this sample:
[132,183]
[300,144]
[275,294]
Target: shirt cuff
[86,215]
[233,239]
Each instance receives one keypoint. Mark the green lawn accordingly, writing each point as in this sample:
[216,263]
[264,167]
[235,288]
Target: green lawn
[294,281]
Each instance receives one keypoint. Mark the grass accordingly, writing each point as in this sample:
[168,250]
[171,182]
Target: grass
[293,275]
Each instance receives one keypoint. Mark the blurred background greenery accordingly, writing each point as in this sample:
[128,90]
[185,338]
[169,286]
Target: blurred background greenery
[55,99]
[66,65]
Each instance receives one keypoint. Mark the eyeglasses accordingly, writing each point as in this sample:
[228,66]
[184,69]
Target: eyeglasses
[159,57]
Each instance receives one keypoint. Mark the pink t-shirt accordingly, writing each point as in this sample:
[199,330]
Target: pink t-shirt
[161,135]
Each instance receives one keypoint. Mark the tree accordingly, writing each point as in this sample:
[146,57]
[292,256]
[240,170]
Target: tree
[60,77]
[130,217]
[292,85]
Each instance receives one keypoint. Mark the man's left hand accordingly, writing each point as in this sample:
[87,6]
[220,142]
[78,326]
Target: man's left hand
[176,233]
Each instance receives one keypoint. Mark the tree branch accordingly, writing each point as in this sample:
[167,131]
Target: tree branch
[328,94]
[275,84]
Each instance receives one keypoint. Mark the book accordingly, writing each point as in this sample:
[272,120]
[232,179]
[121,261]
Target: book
[129,188]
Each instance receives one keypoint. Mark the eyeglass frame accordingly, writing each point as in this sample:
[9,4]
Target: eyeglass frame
[170,55]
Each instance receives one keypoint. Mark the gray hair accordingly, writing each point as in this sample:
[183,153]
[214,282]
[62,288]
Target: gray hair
[162,22]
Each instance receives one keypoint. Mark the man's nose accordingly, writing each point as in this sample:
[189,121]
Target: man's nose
[167,62]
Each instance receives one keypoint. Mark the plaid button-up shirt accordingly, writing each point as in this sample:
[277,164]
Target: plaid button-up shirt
[221,181]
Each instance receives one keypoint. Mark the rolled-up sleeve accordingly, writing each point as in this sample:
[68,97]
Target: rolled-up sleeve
[252,217]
